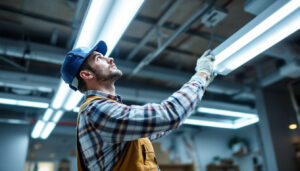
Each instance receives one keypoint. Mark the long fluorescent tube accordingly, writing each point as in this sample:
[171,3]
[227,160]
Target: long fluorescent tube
[48,129]
[57,116]
[8,101]
[23,103]
[60,95]
[47,114]
[283,15]
[225,112]
[245,122]
[32,104]
[74,99]
[197,122]
[242,118]
[271,37]
[239,123]
[118,20]
[37,129]
[76,109]
[92,23]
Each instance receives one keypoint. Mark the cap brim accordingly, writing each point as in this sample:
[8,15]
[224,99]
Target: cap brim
[100,47]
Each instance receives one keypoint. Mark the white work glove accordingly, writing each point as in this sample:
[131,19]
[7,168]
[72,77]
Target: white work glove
[205,64]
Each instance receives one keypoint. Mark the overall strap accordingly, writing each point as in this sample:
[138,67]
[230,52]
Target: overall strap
[80,163]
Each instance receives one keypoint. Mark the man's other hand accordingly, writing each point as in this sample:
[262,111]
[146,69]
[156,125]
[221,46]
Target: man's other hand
[205,64]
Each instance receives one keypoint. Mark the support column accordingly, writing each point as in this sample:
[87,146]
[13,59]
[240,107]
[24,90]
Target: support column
[14,141]
[275,112]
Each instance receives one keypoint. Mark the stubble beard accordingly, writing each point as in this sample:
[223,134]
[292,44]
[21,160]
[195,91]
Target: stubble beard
[112,76]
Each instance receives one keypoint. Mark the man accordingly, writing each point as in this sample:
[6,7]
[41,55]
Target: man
[115,136]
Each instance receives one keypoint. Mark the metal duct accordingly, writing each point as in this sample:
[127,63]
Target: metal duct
[284,51]
[291,54]
[290,70]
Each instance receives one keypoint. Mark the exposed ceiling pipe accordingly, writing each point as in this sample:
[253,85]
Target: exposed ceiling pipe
[28,81]
[290,70]
[150,57]
[291,55]
[38,52]
[150,33]
[50,54]
[25,97]
[284,51]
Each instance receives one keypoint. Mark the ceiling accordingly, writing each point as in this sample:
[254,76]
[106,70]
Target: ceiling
[35,35]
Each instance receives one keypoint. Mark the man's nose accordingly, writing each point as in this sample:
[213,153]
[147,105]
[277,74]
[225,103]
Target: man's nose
[110,60]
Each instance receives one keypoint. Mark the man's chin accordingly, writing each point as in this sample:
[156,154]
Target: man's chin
[117,74]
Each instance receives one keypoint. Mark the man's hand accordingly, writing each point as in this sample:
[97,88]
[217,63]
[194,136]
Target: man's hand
[205,65]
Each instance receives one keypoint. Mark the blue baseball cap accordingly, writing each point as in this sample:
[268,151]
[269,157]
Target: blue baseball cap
[73,61]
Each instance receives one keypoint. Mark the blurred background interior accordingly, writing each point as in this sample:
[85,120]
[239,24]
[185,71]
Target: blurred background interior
[248,119]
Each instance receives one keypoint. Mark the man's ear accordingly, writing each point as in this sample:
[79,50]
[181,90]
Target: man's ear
[86,75]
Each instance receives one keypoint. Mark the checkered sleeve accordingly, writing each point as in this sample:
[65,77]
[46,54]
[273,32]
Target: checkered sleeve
[117,122]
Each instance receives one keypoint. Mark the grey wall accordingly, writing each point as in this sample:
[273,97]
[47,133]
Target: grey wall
[14,141]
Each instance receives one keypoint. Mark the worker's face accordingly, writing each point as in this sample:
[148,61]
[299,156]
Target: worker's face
[104,68]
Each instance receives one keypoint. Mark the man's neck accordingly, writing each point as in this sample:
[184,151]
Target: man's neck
[109,89]
[105,87]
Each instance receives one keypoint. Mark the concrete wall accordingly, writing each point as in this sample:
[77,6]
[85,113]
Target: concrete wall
[14,141]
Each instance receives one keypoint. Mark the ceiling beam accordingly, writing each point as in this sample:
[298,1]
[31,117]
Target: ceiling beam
[36,16]
[174,26]
[151,56]
[24,97]
[169,49]
[154,28]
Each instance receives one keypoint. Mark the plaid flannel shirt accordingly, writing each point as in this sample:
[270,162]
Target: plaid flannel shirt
[106,126]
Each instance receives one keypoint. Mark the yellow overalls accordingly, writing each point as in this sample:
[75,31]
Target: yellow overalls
[137,156]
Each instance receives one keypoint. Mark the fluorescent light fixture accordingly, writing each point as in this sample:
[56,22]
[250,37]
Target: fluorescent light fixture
[274,24]
[118,20]
[37,129]
[60,95]
[48,129]
[239,123]
[32,104]
[8,101]
[92,23]
[198,122]
[225,112]
[76,109]
[47,114]
[57,116]
[73,100]
[242,118]
[245,122]
[23,103]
